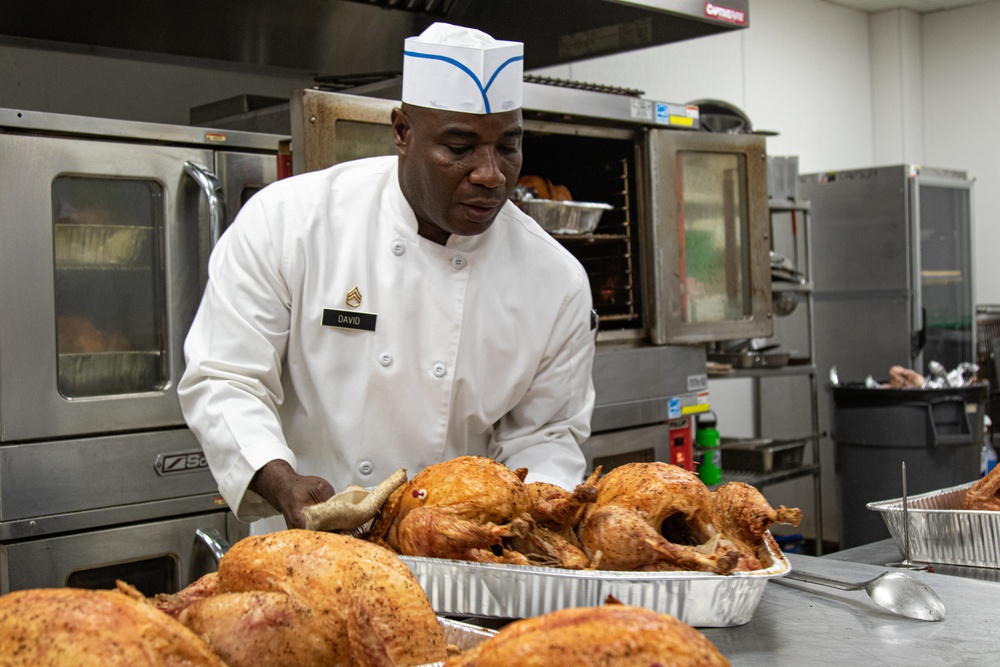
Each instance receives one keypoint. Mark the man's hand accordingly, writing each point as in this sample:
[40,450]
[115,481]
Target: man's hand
[288,492]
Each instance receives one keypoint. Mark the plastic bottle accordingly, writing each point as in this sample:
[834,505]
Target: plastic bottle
[989,457]
[987,453]
[707,441]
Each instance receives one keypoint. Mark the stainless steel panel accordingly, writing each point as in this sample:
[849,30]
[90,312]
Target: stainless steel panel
[664,260]
[873,244]
[860,230]
[316,128]
[107,128]
[361,36]
[50,562]
[644,443]
[32,407]
[36,148]
[243,174]
[634,384]
[74,476]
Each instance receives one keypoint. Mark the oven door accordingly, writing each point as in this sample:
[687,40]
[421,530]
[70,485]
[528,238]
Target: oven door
[160,556]
[709,275]
[100,245]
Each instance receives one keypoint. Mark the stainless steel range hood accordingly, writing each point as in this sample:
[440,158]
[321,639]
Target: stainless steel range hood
[343,37]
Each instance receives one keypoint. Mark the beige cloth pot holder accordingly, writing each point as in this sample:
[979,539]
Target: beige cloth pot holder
[353,507]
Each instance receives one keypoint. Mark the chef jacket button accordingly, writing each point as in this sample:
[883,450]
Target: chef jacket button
[366,467]
[458,262]
[385,359]
[440,370]
[398,248]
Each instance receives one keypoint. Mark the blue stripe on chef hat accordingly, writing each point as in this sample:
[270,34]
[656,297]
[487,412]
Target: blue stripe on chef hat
[483,90]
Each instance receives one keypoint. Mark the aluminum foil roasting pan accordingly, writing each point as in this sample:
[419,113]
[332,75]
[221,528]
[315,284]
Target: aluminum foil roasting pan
[463,636]
[564,217]
[941,531]
[460,588]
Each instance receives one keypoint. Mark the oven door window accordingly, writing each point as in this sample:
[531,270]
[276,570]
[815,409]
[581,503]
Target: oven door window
[713,225]
[109,286]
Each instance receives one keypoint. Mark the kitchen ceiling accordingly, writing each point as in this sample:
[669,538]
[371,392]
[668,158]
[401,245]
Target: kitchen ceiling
[920,6]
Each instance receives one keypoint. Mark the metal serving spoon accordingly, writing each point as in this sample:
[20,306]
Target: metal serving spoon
[899,592]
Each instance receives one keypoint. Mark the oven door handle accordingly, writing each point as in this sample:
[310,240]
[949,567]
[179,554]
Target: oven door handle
[217,544]
[212,188]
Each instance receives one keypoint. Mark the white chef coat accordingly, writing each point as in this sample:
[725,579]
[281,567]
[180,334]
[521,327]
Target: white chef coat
[482,346]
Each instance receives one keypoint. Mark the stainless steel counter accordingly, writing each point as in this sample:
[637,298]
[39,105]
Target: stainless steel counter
[886,551]
[803,624]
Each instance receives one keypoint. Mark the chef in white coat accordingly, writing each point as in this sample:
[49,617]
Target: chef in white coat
[395,312]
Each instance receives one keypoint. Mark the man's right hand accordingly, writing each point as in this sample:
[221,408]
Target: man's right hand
[289,492]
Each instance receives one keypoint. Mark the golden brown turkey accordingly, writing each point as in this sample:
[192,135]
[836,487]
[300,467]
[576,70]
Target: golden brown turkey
[743,516]
[461,509]
[984,494]
[611,635]
[552,540]
[654,516]
[300,598]
[73,627]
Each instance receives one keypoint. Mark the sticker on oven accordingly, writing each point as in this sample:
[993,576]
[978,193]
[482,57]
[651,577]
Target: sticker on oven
[662,113]
[697,382]
[641,110]
[674,408]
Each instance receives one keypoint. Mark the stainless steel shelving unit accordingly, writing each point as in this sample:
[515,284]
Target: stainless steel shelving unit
[803,367]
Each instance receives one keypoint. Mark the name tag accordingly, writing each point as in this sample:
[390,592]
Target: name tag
[347,319]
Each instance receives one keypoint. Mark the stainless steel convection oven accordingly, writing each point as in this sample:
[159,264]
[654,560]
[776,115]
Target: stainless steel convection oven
[680,259]
[105,231]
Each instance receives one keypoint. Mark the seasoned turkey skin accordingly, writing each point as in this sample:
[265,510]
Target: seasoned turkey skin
[461,509]
[298,598]
[552,540]
[743,516]
[611,635]
[984,494]
[654,517]
[73,627]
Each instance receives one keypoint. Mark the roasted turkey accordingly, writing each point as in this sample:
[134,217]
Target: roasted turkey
[73,627]
[743,516]
[551,539]
[611,635]
[654,516]
[299,598]
[984,494]
[461,509]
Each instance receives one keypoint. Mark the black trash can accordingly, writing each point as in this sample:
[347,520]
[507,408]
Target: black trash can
[937,432]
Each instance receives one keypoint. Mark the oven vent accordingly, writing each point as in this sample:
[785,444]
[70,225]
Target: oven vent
[438,8]
[580,85]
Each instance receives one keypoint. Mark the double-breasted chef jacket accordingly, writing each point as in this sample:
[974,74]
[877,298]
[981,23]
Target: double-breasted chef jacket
[332,336]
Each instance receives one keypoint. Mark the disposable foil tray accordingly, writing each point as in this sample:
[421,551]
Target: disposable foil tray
[564,217]
[108,373]
[701,599]
[941,531]
[463,636]
[100,245]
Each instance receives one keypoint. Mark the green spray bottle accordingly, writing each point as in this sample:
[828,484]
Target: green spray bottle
[706,439]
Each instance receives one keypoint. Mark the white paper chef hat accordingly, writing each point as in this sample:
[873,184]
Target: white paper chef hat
[461,69]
